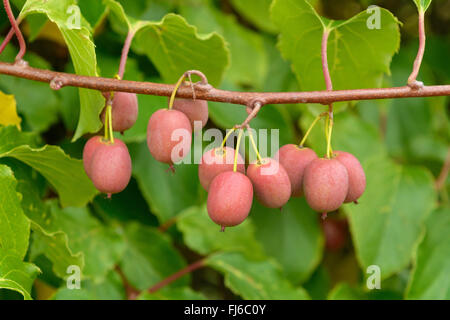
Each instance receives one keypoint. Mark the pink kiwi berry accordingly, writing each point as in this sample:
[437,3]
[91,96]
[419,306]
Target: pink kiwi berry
[89,148]
[295,159]
[124,111]
[195,110]
[110,167]
[270,182]
[169,135]
[325,185]
[230,199]
[216,161]
[356,175]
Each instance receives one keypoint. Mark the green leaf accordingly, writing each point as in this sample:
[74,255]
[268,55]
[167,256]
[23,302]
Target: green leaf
[429,279]
[15,274]
[14,225]
[422,5]
[102,247]
[82,51]
[65,174]
[299,240]
[202,235]
[254,280]
[184,293]
[53,244]
[11,137]
[387,224]
[110,288]
[249,61]
[257,12]
[149,257]
[358,57]
[166,193]
[174,46]
[93,11]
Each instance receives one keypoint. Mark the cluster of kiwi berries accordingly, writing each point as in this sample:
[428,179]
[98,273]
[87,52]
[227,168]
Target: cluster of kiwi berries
[326,183]
[295,171]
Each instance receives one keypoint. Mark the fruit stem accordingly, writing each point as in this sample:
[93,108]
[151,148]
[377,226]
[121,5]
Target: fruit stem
[174,92]
[227,136]
[109,136]
[15,26]
[124,56]
[310,128]
[250,134]
[412,79]
[330,130]
[237,150]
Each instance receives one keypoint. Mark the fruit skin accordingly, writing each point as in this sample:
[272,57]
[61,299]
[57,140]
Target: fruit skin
[325,185]
[216,161]
[110,167]
[89,148]
[356,175]
[271,184]
[195,110]
[295,159]
[230,198]
[161,126]
[124,111]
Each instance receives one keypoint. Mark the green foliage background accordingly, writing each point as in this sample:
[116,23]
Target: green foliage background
[51,216]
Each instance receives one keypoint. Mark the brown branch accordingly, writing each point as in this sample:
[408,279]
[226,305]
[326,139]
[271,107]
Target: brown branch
[190,268]
[131,292]
[206,92]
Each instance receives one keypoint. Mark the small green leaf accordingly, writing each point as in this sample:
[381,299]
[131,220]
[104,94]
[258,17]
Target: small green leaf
[65,174]
[422,5]
[358,56]
[14,225]
[429,279]
[387,224]
[82,50]
[166,193]
[184,293]
[299,240]
[149,257]
[201,234]
[255,280]
[15,274]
